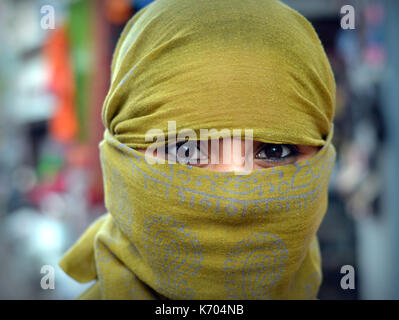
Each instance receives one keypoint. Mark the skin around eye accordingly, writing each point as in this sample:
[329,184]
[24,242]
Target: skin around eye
[272,155]
[265,155]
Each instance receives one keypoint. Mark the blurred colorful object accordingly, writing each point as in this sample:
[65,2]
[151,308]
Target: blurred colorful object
[118,11]
[80,35]
[375,54]
[63,126]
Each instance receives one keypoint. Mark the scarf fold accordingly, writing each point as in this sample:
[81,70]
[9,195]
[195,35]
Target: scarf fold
[181,232]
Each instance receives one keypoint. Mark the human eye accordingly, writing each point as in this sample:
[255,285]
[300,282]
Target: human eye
[276,153]
[191,151]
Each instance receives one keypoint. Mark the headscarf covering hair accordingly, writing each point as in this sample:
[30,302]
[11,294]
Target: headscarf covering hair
[221,64]
[180,232]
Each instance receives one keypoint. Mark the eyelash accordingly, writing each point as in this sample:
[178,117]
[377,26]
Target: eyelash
[293,152]
[177,145]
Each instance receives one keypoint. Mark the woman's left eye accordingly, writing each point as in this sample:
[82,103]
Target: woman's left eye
[276,152]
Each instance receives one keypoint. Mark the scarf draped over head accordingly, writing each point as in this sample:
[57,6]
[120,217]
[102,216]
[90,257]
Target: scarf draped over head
[174,231]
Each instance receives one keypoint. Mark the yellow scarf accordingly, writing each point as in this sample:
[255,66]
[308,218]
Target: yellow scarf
[179,232]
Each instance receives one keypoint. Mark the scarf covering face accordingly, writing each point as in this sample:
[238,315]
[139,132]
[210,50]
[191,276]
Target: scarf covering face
[175,231]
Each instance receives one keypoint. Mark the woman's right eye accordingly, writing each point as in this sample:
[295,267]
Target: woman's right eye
[186,152]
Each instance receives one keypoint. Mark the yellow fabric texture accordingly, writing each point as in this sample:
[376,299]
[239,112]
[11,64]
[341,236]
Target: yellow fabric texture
[175,231]
[221,64]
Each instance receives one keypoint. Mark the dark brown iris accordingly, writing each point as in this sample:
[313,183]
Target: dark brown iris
[274,151]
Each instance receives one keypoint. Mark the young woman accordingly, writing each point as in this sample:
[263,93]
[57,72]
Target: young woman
[197,229]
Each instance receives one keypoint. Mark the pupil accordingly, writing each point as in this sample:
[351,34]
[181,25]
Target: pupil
[274,151]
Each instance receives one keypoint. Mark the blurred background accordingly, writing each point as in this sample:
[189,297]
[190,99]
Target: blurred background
[54,74]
